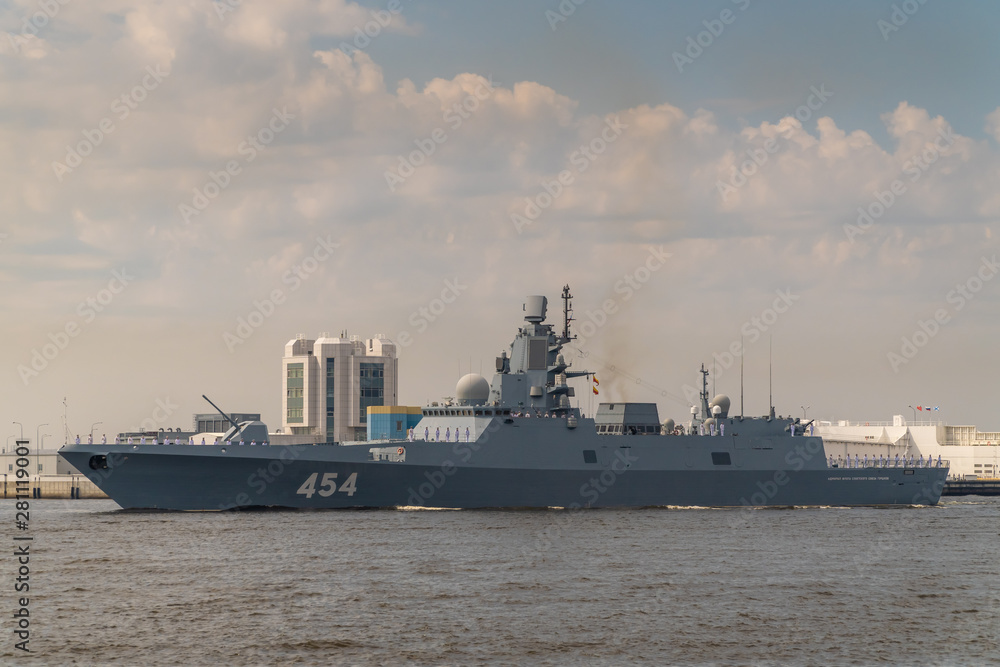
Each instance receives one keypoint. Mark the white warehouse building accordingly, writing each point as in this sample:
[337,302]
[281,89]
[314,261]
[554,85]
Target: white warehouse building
[329,383]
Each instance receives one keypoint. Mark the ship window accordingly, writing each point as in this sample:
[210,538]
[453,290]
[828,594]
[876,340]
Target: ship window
[589,456]
[721,459]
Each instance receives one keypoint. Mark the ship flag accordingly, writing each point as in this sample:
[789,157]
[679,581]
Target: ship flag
[595,391]
[596,382]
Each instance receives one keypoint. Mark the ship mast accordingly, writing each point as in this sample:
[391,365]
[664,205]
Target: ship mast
[704,392]
[567,314]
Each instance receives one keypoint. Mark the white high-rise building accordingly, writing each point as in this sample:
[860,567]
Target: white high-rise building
[329,383]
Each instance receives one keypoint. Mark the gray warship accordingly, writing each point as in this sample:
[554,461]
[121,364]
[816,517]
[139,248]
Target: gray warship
[517,442]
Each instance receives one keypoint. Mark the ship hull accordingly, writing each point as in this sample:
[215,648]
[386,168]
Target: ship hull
[627,472]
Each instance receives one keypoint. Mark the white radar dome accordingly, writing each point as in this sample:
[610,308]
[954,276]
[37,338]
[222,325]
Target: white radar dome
[723,402]
[472,389]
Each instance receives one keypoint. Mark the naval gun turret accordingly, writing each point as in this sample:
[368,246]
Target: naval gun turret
[254,431]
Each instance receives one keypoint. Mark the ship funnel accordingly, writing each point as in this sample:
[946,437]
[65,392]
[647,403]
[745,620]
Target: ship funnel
[534,309]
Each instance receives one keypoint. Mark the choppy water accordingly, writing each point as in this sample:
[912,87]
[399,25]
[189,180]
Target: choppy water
[655,586]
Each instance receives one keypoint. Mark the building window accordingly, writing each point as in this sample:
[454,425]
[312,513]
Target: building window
[295,371]
[372,388]
[295,415]
[295,393]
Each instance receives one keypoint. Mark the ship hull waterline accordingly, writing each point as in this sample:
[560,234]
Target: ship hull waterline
[185,477]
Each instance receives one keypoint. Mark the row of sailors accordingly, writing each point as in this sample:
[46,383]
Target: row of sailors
[166,441]
[711,430]
[437,434]
[538,413]
[883,462]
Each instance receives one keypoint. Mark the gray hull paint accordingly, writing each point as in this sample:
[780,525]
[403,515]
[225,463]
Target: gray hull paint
[513,465]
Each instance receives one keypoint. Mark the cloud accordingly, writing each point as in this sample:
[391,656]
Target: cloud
[495,147]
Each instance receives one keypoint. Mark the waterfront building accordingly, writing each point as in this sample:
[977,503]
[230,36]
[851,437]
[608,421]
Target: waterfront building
[329,383]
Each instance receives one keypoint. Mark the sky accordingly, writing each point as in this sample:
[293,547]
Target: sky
[809,188]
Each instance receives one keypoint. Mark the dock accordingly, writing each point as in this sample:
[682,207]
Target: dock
[70,487]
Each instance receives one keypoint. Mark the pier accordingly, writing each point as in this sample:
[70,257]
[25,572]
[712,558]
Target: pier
[70,487]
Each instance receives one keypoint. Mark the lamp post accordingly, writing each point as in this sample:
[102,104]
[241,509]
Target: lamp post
[804,408]
[22,429]
[38,444]
[95,425]
[914,413]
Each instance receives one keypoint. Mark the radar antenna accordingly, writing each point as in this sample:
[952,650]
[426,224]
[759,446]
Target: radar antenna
[567,314]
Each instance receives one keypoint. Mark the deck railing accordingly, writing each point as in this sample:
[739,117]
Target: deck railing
[929,463]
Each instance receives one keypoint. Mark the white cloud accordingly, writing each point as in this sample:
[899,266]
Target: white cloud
[655,183]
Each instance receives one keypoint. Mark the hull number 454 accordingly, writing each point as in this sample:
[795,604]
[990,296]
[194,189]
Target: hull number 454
[328,485]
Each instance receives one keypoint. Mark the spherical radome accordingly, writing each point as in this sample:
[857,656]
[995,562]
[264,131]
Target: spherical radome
[472,388]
